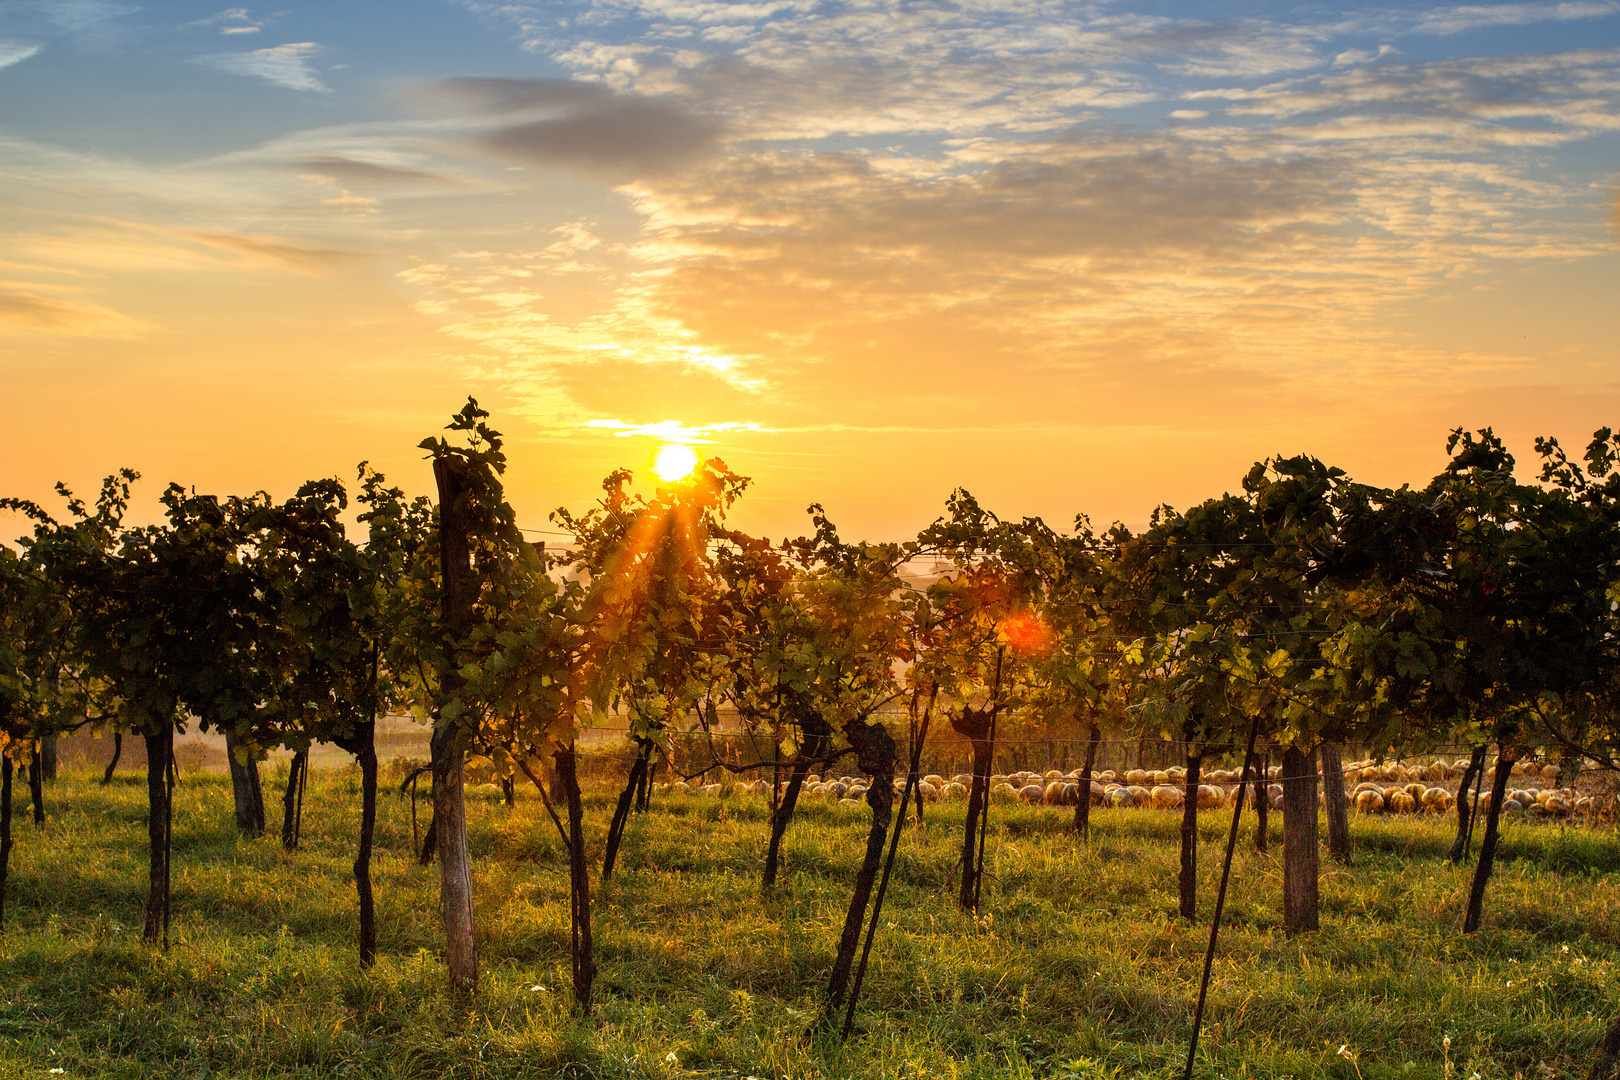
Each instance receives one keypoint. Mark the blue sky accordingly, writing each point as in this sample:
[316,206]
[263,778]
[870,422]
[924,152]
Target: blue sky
[1074,256]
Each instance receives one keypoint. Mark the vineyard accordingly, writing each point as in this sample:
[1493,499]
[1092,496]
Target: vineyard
[1315,779]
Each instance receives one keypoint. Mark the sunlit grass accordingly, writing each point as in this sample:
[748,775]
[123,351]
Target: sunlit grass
[1079,967]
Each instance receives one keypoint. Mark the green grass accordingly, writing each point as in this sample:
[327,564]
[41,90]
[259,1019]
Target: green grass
[1078,967]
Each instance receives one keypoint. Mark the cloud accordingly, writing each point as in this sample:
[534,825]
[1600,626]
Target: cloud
[349,201]
[264,251]
[582,126]
[108,244]
[364,170]
[674,430]
[488,96]
[1458,105]
[1457,20]
[231,21]
[34,23]
[283,181]
[925,211]
[285,65]
[77,16]
[1195,270]
[842,215]
[15,52]
[23,312]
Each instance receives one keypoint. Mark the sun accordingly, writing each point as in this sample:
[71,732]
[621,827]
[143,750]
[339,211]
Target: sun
[674,461]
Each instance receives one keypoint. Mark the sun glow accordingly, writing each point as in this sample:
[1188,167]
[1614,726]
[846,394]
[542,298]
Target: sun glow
[1026,633]
[674,461]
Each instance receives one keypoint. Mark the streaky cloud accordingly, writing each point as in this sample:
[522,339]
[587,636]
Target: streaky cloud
[491,96]
[355,170]
[15,52]
[263,250]
[23,312]
[674,430]
[1457,20]
[285,65]
[73,16]
[231,21]
[586,127]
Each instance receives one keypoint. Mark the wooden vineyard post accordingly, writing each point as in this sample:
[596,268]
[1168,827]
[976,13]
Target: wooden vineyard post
[159,792]
[449,744]
[1082,806]
[1333,804]
[1187,882]
[1300,859]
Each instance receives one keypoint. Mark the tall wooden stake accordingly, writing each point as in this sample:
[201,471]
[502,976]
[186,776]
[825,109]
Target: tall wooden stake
[448,748]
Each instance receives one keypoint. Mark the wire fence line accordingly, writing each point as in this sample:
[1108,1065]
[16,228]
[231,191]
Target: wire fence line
[690,753]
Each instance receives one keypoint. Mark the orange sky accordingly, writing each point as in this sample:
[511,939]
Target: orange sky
[1074,258]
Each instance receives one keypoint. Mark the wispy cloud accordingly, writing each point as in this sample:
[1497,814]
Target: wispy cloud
[350,202]
[1461,105]
[14,52]
[26,312]
[75,16]
[673,430]
[285,65]
[110,244]
[1457,20]
[232,21]
[376,167]
[33,24]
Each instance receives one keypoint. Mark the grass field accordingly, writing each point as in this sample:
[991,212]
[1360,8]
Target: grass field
[1077,968]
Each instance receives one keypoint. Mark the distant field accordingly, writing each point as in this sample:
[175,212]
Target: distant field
[1077,968]
[398,736]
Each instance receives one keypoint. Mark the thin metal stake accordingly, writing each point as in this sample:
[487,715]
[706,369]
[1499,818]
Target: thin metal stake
[298,813]
[984,814]
[168,836]
[1220,904]
[1473,814]
[416,837]
[898,824]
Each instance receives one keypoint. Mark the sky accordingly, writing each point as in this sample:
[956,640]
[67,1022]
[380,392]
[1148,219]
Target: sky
[1074,257]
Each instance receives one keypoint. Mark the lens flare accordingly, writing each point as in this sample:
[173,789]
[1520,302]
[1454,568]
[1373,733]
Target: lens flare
[674,462]
[1026,633]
